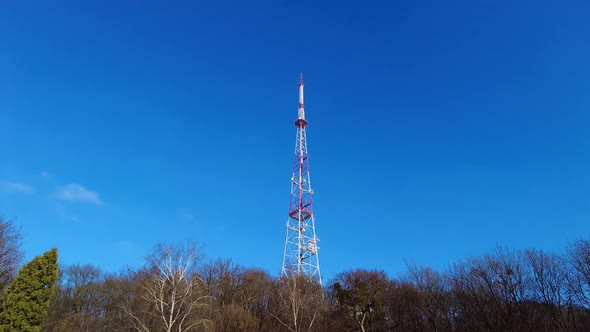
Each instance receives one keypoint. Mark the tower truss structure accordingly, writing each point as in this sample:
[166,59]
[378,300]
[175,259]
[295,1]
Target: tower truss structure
[300,257]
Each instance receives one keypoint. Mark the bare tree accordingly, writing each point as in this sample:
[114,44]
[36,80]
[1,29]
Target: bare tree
[493,293]
[78,303]
[10,253]
[254,293]
[436,302]
[403,308]
[238,295]
[579,257]
[222,279]
[297,303]
[172,291]
[513,276]
[550,287]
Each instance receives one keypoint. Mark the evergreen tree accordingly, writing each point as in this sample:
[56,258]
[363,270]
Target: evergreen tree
[25,303]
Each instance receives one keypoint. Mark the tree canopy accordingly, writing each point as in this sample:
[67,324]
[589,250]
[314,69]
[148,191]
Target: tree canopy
[25,303]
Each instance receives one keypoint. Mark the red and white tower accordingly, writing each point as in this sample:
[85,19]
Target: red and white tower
[300,256]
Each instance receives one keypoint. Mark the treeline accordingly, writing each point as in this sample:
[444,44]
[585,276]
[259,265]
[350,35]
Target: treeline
[177,289]
[504,290]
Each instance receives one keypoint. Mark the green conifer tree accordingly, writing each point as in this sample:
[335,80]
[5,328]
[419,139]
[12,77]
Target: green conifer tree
[25,303]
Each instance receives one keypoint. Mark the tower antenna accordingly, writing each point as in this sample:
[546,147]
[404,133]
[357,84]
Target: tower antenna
[300,256]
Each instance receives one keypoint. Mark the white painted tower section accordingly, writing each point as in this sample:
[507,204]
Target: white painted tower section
[301,109]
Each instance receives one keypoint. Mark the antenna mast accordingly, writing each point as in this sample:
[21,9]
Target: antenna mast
[300,255]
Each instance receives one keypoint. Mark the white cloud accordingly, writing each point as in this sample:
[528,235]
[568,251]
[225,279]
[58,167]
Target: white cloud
[14,187]
[74,192]
[46,174]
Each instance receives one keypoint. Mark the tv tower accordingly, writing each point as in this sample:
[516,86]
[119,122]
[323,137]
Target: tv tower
[300,256]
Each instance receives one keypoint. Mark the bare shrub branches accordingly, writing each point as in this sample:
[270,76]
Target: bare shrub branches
[172,291]
[10,254]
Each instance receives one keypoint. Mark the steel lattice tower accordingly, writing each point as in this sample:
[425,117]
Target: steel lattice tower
[300,256]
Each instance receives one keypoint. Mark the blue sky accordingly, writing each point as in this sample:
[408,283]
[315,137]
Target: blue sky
[436,130]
